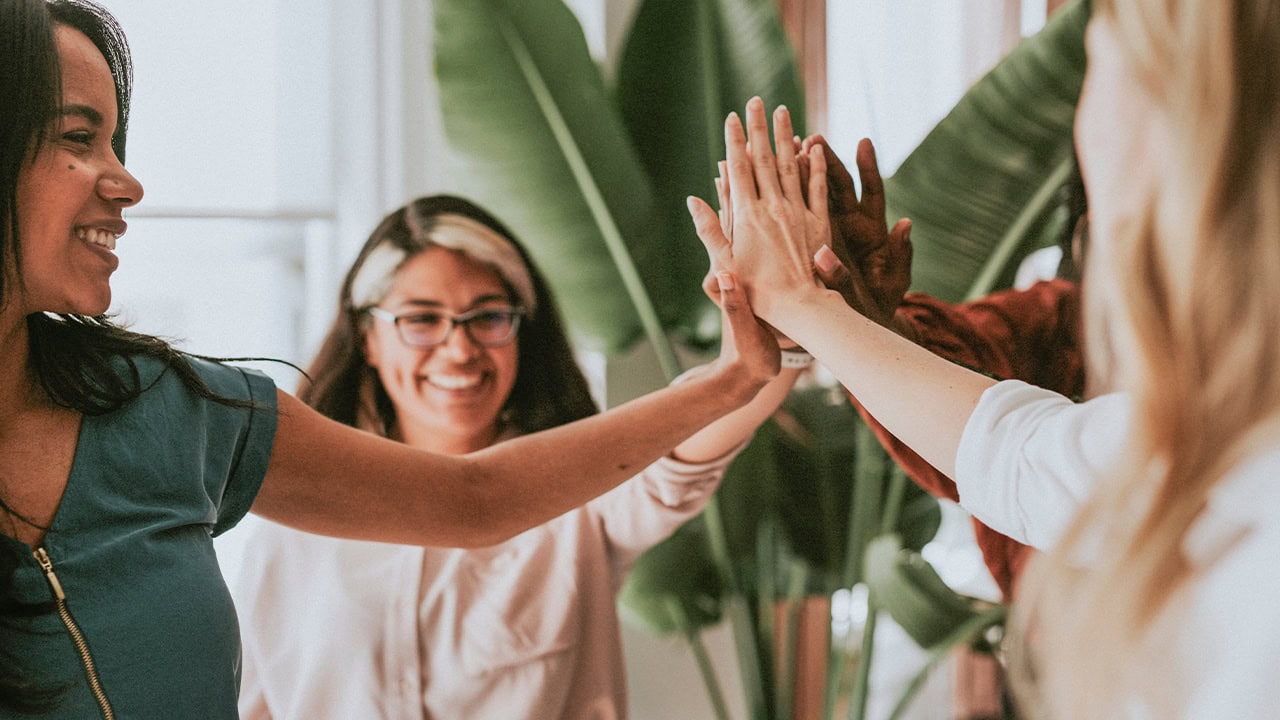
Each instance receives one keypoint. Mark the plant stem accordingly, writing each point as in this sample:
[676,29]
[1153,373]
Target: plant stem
[735,607]
[997,263]
[594,198]
[703,659]
[966,633]
[862,681]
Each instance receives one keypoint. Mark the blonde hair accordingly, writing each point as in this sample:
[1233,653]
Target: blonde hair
[1181,306]
[376,275]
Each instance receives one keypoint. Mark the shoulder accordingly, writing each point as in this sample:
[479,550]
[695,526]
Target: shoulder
[223,381]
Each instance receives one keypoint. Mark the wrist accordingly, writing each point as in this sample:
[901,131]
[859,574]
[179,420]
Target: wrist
[796,358]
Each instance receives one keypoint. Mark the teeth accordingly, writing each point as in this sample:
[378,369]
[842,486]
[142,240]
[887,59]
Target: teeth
[454,382]
[99,237]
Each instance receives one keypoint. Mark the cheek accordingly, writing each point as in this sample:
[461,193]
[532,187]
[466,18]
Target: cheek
[508,365]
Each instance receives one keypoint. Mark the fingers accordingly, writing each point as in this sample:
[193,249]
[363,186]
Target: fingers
[900,242]
[710,286]
[732,300]
[872,183]
[818,183]
[831,271]
[707,224]
[843,194]
[742,333]
[741,171]
[725,196]
[762,158]
[835,275]
[788,171]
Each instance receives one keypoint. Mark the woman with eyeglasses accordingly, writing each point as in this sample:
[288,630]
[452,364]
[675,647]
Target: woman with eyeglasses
[448,339]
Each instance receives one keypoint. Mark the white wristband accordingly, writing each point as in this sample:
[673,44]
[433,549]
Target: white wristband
[796,358]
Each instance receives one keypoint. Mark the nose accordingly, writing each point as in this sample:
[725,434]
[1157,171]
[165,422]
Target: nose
[119,187]
[459,345]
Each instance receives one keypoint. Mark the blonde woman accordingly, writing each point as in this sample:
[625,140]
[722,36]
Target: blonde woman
[1159,600]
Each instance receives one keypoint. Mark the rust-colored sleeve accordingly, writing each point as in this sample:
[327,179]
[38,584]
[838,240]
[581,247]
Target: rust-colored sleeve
[1030,335]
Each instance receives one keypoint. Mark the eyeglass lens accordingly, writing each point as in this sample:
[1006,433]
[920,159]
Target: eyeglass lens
[485,327]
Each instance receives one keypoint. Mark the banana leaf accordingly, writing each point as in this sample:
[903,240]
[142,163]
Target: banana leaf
[982,188]
[687,64]
[535,137]
[798,475]
[910,589]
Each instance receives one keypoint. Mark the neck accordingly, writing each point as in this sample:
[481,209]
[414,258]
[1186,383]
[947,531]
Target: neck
[19,387]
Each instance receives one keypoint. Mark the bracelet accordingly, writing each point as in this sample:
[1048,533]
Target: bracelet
[796,358]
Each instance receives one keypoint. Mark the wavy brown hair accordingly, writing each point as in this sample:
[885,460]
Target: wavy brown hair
[549,390]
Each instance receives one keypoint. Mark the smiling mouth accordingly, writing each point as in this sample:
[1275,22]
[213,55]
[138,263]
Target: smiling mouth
[454,382]
[97,236]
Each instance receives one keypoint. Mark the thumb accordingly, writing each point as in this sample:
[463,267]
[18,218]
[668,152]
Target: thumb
[707,224]
[831,271]
[733,302]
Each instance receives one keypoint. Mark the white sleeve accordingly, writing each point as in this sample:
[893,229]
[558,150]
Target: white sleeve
[1029,457]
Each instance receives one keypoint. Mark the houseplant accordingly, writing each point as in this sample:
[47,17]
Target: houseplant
[593,178]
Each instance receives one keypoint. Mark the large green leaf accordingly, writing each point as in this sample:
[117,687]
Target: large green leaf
[536,139]
[687,64]
[797,475]
[982,188]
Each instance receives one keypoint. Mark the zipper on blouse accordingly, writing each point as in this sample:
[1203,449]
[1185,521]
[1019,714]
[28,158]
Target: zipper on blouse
[77,637]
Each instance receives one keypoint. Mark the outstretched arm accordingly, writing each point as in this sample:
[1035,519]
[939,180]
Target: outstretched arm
[328,478]
[919,397]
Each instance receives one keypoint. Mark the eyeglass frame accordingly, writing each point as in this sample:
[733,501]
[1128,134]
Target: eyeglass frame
[465,319]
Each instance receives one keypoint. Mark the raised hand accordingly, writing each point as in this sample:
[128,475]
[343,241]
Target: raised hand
[775,233]
[876,260]
[743,338]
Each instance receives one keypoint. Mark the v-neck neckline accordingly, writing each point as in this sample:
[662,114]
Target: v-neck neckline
[68,495]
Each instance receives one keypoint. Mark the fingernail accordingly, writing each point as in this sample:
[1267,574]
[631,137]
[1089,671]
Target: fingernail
[724,280]
[733,116]
[825,259]
[689,203]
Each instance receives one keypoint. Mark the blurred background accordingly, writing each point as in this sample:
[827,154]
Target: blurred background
[272,135]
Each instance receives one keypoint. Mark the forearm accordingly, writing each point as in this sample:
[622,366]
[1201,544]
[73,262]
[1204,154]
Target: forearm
[728,432]
[330,479]
[921,398]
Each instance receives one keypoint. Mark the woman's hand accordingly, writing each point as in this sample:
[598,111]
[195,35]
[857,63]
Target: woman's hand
[744,341]
[775,232]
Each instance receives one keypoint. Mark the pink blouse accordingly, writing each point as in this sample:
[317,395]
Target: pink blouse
[525,629]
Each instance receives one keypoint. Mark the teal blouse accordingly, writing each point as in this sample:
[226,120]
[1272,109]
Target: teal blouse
[131,548]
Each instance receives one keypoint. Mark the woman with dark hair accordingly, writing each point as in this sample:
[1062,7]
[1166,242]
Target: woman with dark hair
[120,457]
[447,339]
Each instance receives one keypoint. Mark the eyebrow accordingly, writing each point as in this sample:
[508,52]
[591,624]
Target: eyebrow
[84,111]
[412,302]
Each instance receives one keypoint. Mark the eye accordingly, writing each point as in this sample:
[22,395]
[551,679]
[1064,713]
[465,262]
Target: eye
[79,137]
[425,321]
[491,319]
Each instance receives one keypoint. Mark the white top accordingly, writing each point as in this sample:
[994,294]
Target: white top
[1026,460]
[1028,457]
[525,629]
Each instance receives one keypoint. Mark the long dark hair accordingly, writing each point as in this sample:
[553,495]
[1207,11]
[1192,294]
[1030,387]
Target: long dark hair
[549,389]
[82,363]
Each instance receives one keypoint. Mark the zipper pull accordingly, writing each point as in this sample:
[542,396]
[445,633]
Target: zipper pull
[46,564]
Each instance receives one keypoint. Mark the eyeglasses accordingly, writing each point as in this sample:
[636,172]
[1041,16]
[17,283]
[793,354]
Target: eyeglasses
[487,327]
